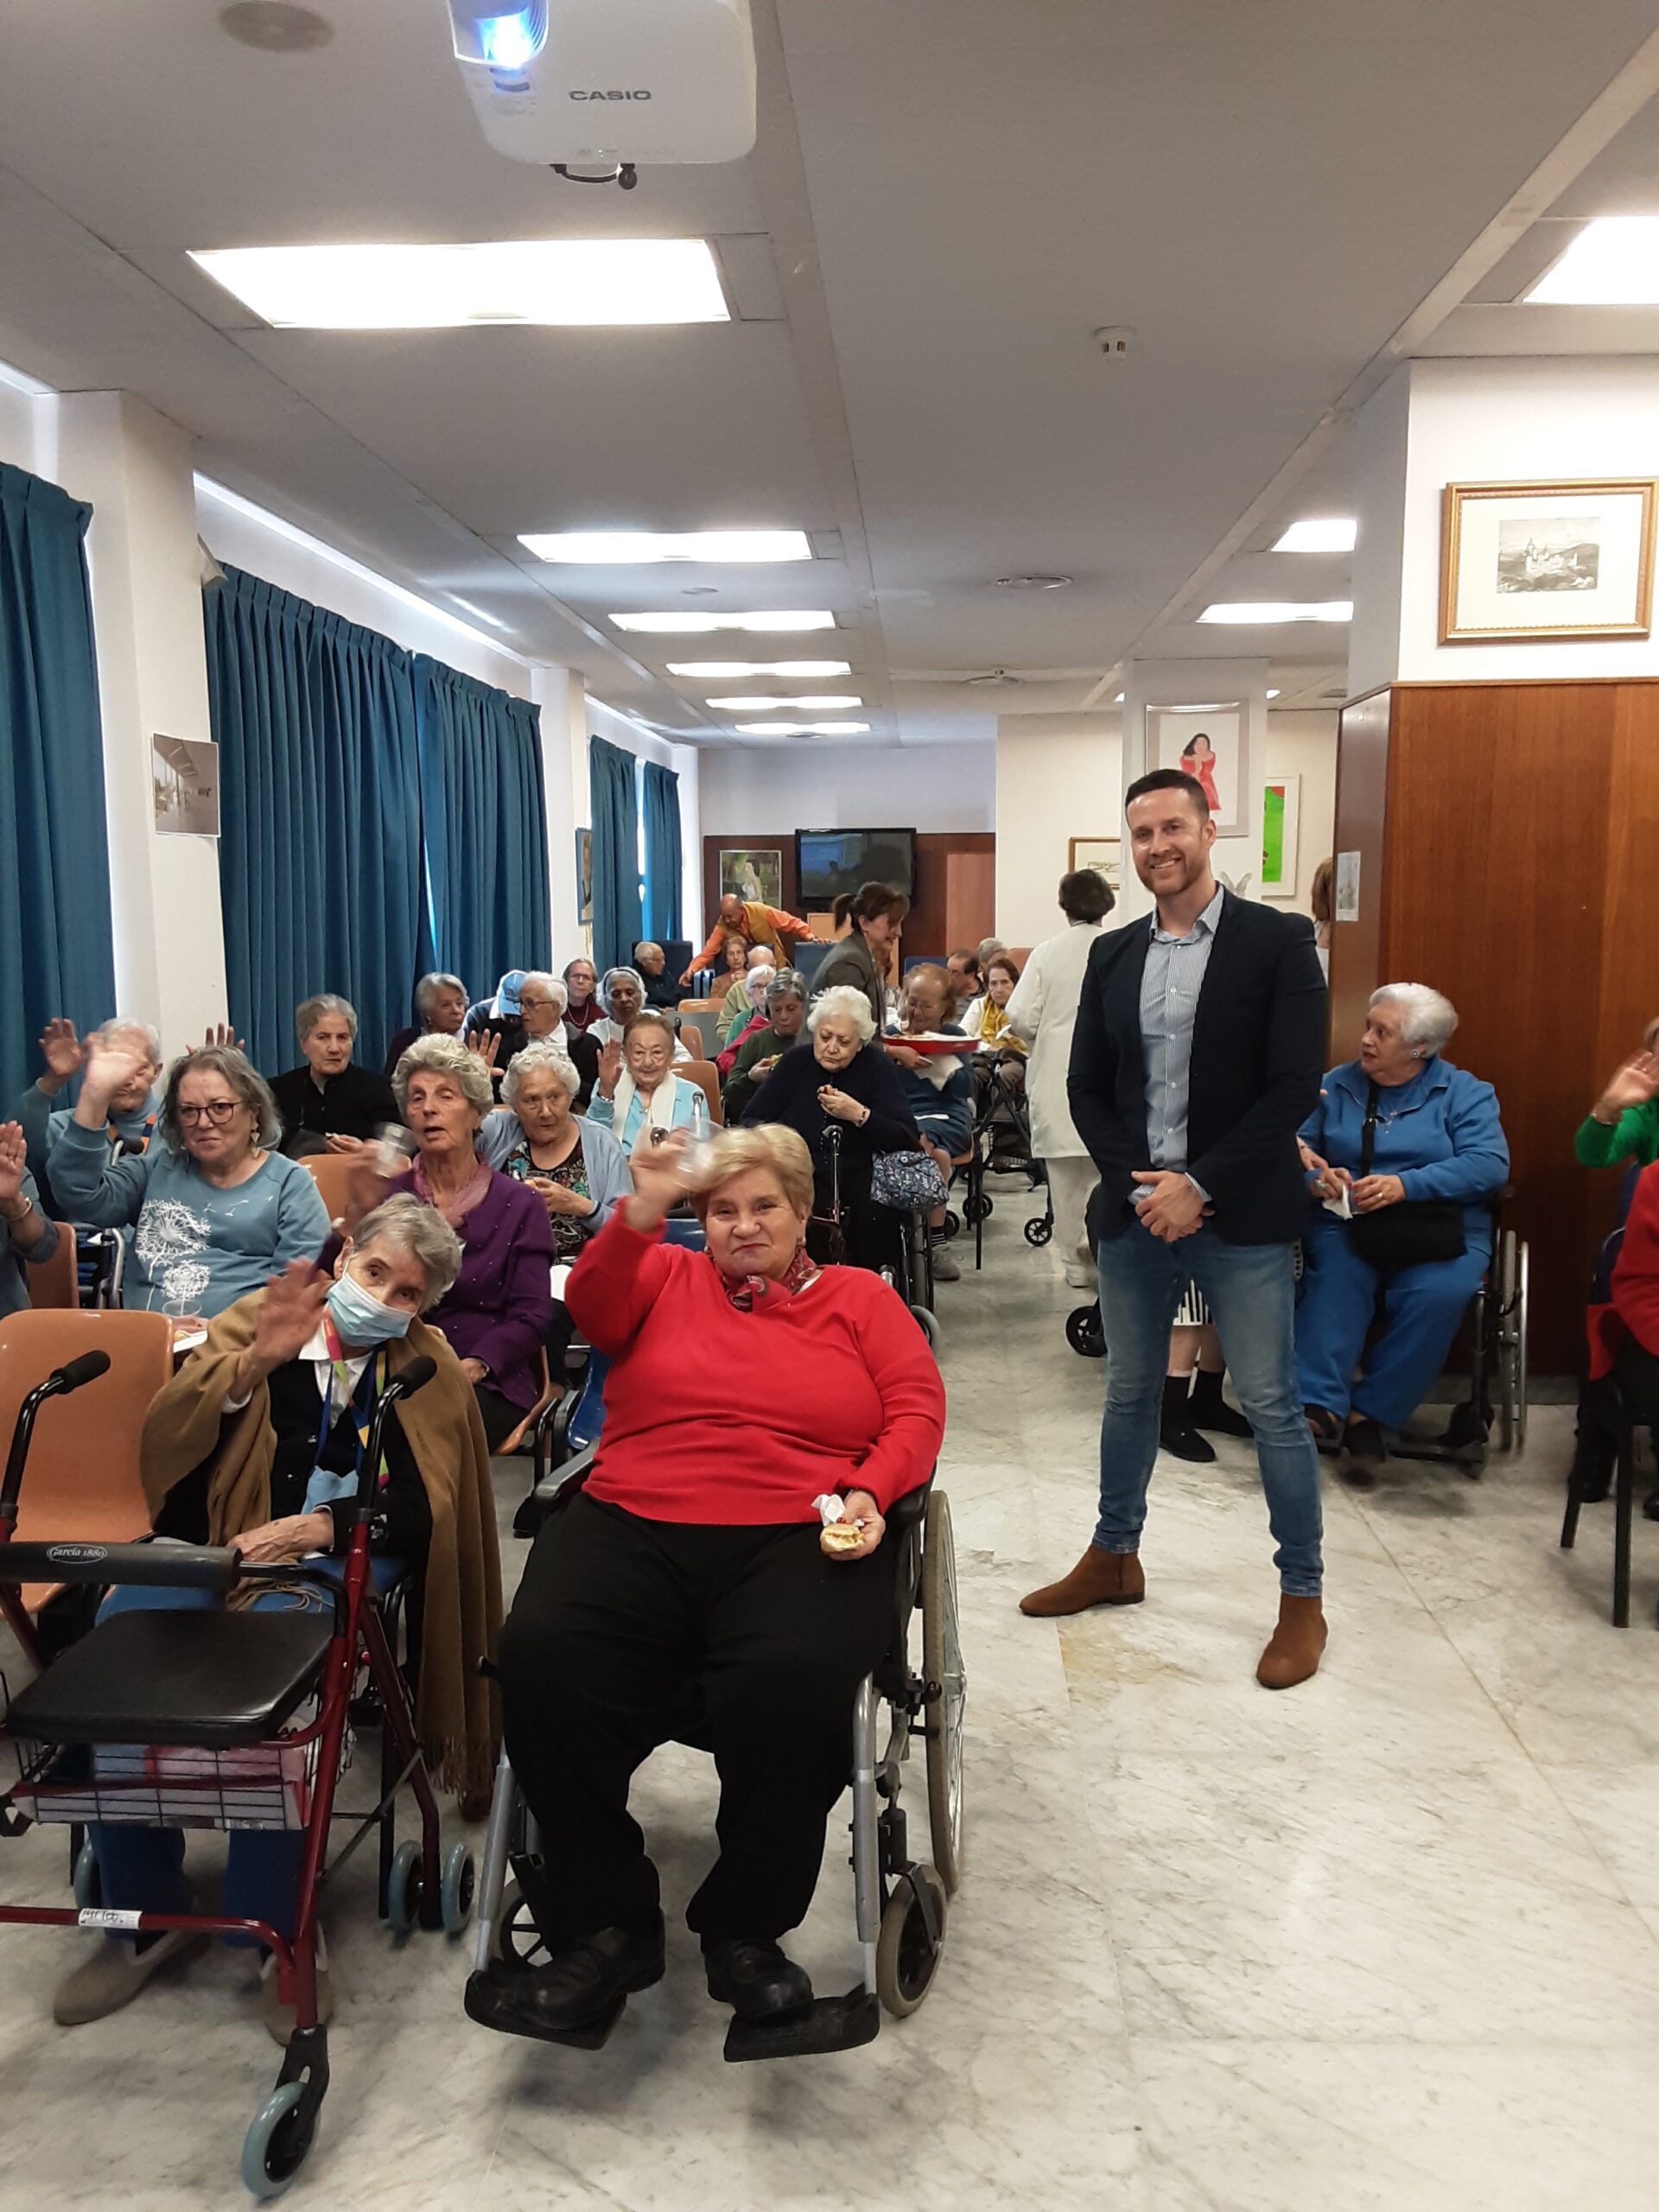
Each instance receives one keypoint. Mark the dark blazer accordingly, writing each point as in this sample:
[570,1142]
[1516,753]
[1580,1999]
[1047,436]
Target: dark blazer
[1258,1049]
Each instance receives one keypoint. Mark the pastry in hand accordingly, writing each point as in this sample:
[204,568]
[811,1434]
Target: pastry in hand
[841,1536]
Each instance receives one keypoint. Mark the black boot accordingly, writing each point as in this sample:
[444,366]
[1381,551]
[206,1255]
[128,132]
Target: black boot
[580,1985]
[1176,1434]
[1209,1410]
[755,1978]
[1592,1476]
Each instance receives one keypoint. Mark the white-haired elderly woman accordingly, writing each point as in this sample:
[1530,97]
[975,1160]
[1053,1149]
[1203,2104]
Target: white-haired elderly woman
[328,1103]
[214,1207]
[576,1168]
[622,995]
[440,1003]
[847,1083]
[496,1313]
[256,1442]
[134,1109]
[1412,1148]
[637,1088]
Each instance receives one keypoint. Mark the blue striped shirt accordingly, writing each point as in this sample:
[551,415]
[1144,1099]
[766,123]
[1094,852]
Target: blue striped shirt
[1174,974]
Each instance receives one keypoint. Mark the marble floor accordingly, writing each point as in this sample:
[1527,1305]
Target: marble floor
[1390,1940]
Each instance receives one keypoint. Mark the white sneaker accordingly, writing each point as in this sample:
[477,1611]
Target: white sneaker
[1078,1277]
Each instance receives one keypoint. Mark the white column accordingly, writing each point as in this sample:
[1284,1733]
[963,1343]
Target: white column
[1212,689]
[558,692]
[135,467]
[687,763]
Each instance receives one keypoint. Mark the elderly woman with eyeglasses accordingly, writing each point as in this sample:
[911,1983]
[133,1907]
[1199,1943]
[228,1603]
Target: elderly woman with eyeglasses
[638,1088]
[215,1208]
[575,1167]
[328,1103]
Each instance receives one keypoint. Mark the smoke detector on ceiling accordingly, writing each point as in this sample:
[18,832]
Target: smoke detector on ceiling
[1035,582]
[1116,340]
[275,26]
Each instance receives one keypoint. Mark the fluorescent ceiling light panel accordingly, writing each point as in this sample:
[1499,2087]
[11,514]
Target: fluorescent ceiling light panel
[804,730]
[1331,534]
[730,670]
[823,702]
[1613,262]
[1265,611]
[1196,707]
[690,625]
[534,281]
[594,549]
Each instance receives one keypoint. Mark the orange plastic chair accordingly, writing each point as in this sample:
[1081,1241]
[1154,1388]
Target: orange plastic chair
[55,1281]
[707,1075]
[331,1173]
[81,1484]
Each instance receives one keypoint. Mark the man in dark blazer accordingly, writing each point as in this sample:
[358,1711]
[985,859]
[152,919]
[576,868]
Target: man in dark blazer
[1198,1055]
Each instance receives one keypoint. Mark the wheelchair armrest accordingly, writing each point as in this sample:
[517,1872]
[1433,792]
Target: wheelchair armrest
[909,1510]
[565,1481]
[184,1567]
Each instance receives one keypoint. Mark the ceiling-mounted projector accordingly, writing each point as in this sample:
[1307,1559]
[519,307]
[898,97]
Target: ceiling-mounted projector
[609,85]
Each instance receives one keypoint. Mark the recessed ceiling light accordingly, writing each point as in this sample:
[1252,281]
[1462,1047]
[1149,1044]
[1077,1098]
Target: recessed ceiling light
[1273,694]
[590,548]
[535,280]
[728,672]
[804,729]
[1326,534]
[1118,701]
[1267,611]
[816,701]
[668,625]
[1613,262]
[1033,584]
[275,26]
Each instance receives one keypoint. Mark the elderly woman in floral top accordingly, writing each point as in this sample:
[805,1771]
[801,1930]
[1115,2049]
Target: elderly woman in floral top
[576,1168]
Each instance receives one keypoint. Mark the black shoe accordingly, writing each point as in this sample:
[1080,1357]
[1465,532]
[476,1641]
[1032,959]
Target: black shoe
[1207,1409]
[1363,1448]
[1182,1441]
[1325,1425]
[755,1980]
[581,1984]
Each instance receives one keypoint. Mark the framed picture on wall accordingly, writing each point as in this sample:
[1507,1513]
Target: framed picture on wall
[584,878]
[1281,822]
[1103,854]
[1207,742]
[184,787]
[752,872]
[1522,563]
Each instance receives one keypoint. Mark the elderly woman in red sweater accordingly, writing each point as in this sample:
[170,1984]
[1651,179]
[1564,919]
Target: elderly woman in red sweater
[694,1554]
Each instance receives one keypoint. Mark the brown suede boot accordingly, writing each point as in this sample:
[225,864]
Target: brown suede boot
[1098,1578]
[1295,1647]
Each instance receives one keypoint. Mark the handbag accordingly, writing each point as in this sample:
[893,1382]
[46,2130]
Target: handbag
[1409,1235]
[905,1180]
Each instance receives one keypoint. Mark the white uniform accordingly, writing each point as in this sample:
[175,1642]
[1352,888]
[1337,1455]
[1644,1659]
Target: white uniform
[1044,1011]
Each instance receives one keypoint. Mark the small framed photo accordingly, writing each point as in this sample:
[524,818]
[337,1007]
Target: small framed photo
[1208,743]
[1528,563]
[584,878]
[184,787]
[1282,825]
[752,872]
[1103,854]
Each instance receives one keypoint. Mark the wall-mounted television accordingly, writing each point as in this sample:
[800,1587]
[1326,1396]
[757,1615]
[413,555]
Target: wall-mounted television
[830,861]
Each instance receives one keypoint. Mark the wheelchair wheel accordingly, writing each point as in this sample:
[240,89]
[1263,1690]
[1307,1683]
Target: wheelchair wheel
[906,1957]
[517,1939]
[1038,1232]
[978,1207]
[952,1221]
[1085,1332]
[928,1323]
[942,1662]
[1509,1335]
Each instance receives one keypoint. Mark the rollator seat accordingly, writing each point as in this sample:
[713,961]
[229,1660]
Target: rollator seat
[191,1678]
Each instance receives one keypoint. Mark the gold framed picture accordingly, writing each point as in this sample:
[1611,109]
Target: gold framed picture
[1529,562]
[1103,854]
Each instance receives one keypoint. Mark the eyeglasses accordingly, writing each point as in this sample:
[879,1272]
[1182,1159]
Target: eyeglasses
[535,1006]
[217,1110]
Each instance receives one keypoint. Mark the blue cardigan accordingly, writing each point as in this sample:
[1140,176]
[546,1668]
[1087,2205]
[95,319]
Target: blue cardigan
[1439,1133]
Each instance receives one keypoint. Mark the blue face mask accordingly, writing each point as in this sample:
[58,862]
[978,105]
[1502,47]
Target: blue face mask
[361,1318]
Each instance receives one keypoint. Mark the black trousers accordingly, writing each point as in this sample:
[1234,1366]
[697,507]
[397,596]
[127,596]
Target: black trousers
[500,1416]
[1638,1377]
[615,1617]
[869,1232]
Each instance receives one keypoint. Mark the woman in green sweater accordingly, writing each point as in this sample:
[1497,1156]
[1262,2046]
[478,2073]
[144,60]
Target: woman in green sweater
[1622,1125]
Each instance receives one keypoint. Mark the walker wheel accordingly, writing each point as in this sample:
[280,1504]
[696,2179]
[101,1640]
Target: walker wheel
[978,1206]
[279,2138]
[906,1958]
[952,1223]
[1038,1232]
[403,1888]
[1085,1333]
[459,1886]
[89,1883]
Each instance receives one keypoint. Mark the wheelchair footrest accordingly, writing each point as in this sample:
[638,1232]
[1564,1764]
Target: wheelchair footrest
[829,2023]
[483,2001]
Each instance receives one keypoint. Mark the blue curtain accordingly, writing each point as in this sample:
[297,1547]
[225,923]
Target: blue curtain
[321,875]
[663,858]
[56,944]
[486,825]
[617,923]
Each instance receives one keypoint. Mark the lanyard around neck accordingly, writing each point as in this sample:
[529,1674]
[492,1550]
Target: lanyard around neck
[358,1405]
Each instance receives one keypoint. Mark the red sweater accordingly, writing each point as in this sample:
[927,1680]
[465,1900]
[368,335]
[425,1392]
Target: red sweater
[1634,1309]
[742,1419]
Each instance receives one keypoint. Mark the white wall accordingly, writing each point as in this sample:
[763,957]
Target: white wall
[1304,745]
[21,421]
[1487,421]
[1058,777]
[930,788]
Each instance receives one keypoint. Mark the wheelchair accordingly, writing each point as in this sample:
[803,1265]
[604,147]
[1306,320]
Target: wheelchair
[222,1719]
[900,1903]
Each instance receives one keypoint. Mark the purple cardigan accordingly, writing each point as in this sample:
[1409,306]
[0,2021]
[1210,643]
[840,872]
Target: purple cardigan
[501,1304]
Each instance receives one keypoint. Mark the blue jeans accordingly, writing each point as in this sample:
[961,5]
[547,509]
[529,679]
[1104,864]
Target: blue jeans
[1421,1309]
[1250,1289]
